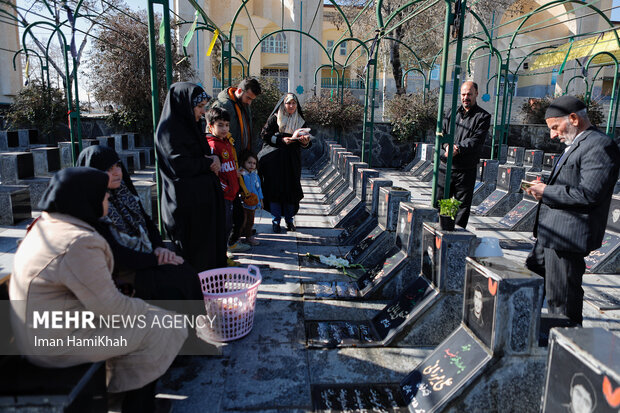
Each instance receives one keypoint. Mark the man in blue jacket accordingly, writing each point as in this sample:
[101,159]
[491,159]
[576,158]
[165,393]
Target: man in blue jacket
[573,205]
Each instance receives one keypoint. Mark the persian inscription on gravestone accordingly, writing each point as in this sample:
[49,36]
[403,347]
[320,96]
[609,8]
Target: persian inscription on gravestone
[490,202]
[442,373]
[610,242]
[397,312]
[518,213]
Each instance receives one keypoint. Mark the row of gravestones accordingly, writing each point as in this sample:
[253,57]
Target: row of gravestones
[25,169]
[498,193]
[494,338]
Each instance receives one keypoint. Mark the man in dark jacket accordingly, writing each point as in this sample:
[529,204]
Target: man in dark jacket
[237,103]
[573,205]
[470,133]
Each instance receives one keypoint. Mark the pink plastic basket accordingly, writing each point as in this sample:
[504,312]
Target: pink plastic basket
[230,297]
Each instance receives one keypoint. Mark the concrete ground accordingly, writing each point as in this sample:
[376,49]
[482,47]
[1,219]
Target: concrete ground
[271,369]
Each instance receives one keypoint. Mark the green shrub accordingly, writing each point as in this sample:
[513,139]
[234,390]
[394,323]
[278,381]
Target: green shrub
[411,116]
[533,111]
[38,107]
[329,112]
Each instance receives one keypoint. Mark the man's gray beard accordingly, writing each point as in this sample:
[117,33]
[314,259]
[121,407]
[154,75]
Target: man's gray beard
[570,134]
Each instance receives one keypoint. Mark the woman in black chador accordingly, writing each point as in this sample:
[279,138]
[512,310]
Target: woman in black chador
[140,257]
[192,205]
[279,162]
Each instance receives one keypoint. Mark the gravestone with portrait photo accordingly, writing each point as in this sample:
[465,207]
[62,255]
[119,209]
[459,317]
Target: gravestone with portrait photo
[522,216]
[471,370]
[583,371]
[380,261]
[486,179]
[606,259]
[549,160]
[515,155]
[350,218]
[507,193]
[346,211]
[533,161]
[426,158]
[397,269]
[353,234]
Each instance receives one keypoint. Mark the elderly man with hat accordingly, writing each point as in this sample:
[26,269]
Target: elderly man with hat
[573,205]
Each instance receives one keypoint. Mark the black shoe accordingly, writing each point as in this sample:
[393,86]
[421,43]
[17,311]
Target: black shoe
[276,228]
[290,226]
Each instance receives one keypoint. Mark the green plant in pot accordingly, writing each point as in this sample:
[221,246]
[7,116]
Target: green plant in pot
[447,213]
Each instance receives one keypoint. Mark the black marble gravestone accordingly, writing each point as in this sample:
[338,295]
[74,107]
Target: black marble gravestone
[486,180]
[606,259]
[402,267]
[356,232]
[522,216]
[506,195]
[515,155]
[533,160]
[549,160]
[510,299]
[583,371]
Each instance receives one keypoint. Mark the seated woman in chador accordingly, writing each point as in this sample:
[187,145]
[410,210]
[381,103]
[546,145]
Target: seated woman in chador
[64,265]
[140,257]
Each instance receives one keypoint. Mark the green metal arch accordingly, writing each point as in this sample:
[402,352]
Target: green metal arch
[280,31]
[244,2]
[614,95]
[555,3]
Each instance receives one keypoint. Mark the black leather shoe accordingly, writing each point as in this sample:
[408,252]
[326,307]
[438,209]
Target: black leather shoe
[276,228]
[290,226]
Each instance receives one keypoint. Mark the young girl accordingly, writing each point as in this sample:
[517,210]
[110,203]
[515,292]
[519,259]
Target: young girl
[248,161]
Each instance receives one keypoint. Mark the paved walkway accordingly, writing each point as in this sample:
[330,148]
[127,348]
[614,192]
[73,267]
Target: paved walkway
[271,369]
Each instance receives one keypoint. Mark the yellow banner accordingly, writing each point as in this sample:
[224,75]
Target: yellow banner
[581,48]
[216,33]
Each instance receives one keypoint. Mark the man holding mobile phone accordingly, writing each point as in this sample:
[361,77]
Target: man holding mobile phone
[573,205]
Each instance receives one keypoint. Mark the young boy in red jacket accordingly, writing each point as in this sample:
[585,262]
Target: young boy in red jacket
[220,141]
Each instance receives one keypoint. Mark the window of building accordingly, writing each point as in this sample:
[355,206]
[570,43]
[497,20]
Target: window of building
[275,44]
[330,46]
[343,49]
[279,75]
[239,43]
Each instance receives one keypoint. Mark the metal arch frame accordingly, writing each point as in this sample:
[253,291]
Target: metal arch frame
[426,84]
[75,124]
[44,67]
[585,79]
[526,17]
[614,95]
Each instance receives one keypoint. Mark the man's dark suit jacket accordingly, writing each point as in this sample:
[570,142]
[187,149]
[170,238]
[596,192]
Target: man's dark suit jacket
[573,211]
[470,133]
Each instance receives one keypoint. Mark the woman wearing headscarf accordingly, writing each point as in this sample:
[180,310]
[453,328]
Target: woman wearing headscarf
[284,135]
[64,265]
[192,204]
[140,257]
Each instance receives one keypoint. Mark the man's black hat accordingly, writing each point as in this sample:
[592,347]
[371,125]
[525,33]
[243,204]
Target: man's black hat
[564,106]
